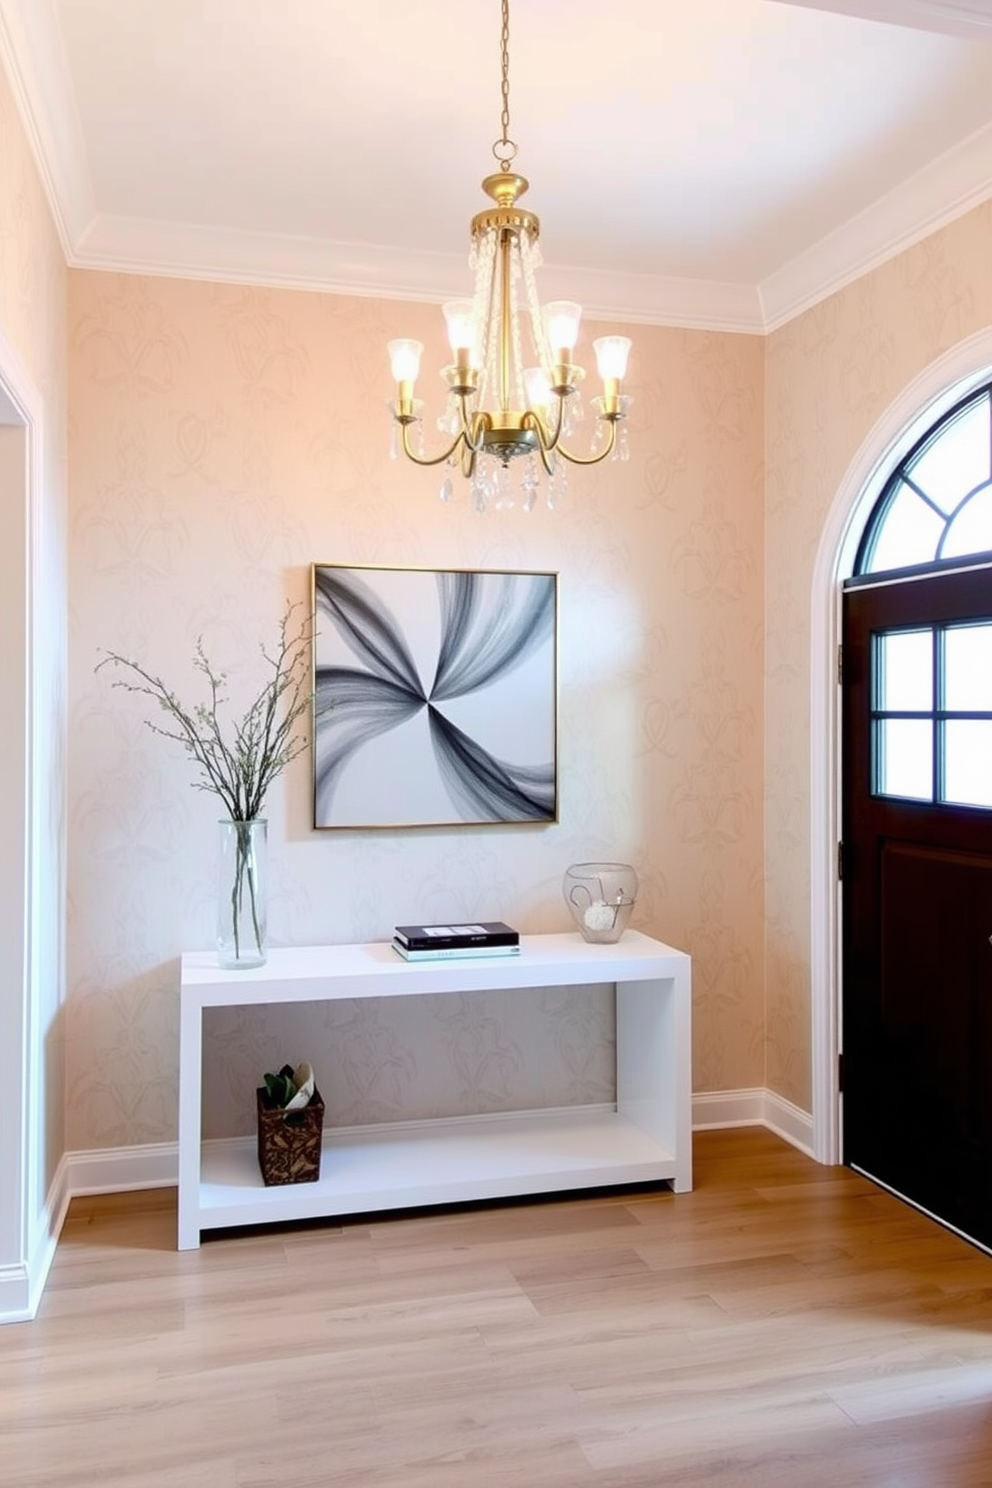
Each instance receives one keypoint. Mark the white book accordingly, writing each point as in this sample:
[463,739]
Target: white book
[454,953]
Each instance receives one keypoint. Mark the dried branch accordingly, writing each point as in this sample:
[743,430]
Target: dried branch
[238,767]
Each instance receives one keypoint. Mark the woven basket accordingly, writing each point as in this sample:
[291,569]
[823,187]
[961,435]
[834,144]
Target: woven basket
[289,1142]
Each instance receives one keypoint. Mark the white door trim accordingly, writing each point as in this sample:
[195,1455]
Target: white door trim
[931,394]
[22,1267]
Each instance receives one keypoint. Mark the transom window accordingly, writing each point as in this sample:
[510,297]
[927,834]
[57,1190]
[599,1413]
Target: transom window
[931,685]
[937,504]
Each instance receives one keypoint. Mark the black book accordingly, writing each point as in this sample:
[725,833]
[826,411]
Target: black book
[455,937]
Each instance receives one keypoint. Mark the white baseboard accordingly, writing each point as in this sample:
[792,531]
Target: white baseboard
[119,1169]
[15,1295]
[21,1286]
[718,1109]
[156,1165]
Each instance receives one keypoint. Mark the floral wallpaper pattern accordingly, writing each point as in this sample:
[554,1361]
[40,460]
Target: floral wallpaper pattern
[222,439]
[831,374]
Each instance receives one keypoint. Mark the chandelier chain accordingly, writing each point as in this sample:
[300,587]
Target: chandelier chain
[504,149]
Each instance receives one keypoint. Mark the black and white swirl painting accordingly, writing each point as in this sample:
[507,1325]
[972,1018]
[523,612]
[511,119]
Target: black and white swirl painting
[435,697]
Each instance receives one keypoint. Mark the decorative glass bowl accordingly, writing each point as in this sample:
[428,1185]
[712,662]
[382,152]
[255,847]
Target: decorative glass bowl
[600,897]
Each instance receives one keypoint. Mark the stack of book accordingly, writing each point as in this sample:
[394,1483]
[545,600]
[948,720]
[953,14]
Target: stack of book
[440,942]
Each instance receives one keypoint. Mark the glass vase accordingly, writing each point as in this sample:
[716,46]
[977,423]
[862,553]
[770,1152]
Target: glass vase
[241,894]
[600,898]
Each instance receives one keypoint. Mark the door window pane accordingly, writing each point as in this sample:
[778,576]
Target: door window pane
[904,758]
[968,668]
[968,762]
[904,676]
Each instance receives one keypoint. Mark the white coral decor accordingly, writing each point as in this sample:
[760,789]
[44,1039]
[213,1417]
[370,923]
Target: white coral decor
[599,916]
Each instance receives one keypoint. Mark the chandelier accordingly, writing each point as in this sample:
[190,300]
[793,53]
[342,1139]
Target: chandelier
[500,411]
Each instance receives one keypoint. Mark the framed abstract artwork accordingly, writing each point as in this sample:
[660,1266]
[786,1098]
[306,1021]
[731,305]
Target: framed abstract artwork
[435,697]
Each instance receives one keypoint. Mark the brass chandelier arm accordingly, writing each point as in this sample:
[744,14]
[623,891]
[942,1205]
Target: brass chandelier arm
[426,460]
[550,446]
[545,446]
[469,437]
[592,459]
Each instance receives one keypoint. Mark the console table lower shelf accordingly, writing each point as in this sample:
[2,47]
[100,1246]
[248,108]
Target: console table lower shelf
[453,1161]
[644,1137]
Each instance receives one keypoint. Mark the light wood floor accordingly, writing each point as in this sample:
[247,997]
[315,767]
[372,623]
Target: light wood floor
[784,1324]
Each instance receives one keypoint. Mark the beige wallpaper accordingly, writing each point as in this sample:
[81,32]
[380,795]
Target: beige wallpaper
[831,374]
[222,439]
[33,320]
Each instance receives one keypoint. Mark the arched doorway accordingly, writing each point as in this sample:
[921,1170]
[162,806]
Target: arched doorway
[921,404]
[917,828]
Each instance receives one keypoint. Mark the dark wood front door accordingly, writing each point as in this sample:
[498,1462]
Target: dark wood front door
[917,891]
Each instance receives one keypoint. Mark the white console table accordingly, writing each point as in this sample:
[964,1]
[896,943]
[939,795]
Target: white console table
[646,1138]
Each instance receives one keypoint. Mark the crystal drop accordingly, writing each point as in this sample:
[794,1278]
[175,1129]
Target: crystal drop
[530,485]
[447,489]
[504,494]
[557,487]
[622,448]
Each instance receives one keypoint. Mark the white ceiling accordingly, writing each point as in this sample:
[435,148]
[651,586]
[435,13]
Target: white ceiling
[706,162]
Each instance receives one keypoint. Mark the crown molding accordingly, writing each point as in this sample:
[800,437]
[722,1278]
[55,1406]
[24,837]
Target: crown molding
[189,251]
[32,53]
[33,57]
[967,18]
[942,191]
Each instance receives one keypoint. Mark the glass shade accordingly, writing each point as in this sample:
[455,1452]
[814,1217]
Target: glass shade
[404,359]
[561,318]
[611,356]
[458,316]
